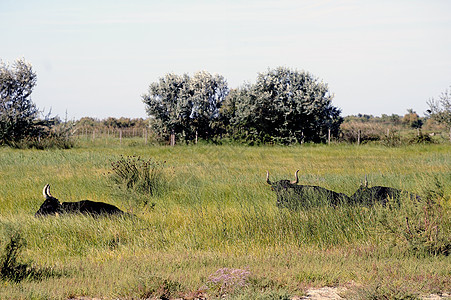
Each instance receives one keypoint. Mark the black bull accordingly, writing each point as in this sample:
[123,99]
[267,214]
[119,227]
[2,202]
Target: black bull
[291,195]
[53,206]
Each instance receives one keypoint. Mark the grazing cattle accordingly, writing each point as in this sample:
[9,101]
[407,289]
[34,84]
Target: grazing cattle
[379,194]
[294,196]
[52,206]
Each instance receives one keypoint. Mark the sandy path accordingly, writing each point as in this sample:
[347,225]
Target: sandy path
[327,293]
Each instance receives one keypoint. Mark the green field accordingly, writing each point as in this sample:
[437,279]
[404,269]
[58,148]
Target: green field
[217,212]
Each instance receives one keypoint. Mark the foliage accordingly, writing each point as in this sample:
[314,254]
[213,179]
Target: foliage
[124,122]
[390,131]
[18,114]
[284,106]
[186,105]
[392,139]
[12,269]
[424,224]
[111,122]
[428,233]
[53,134]
[351,131]
[421,138]
[20,125]
[138,175]
[440,110]
[412,119]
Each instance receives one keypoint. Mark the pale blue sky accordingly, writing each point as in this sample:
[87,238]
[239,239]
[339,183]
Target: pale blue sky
[96,58]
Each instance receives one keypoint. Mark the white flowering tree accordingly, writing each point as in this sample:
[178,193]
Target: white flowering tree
[184,105]
[283,106]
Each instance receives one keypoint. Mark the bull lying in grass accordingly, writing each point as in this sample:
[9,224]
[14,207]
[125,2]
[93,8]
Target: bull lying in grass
[53,206]
[293,196]
[380,194]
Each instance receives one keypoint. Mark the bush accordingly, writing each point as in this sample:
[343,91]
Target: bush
[48,142]
[13,270]
[284,106]
[421,139]
[10,268]
[424,226]
[139,176]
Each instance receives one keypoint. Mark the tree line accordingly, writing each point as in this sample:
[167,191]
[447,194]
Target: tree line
[283,106]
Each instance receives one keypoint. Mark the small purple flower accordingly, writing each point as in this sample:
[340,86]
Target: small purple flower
[227,280]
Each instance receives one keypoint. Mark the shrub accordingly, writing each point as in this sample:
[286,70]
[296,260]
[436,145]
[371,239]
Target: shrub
[145,177]
[12,269]
[421,139]
[48,142]
[425,225]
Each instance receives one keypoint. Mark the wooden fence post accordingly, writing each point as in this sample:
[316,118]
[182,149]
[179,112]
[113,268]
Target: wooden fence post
[358,138]
[172,143]
[328,137]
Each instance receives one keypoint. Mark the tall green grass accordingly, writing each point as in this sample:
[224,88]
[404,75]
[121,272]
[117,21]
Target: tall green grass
[218,212]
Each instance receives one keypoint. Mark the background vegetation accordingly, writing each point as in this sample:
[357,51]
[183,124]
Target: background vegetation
[21,123]
[215,229]
[284,106]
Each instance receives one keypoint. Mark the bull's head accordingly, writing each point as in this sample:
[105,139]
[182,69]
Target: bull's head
[51,205]
[283,188]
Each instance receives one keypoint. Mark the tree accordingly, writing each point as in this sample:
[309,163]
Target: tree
[440,110]
[284,106]
[186,105]
[412,119]
[17,112]
[208,94]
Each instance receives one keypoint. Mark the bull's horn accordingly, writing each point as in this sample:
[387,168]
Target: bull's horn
[296,178]
[46,191]
[267,177]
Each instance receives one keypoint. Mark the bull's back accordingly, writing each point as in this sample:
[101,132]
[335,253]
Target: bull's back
[91,207]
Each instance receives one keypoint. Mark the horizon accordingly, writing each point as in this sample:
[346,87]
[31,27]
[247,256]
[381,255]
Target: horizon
[96,59]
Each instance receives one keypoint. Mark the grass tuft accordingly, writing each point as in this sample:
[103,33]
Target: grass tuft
[139,177]
[12,269]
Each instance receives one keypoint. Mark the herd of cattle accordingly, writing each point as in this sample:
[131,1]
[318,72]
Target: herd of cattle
[292,195]
[289,195]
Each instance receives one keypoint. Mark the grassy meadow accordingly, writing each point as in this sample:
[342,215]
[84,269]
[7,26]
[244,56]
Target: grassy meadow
[215,229]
